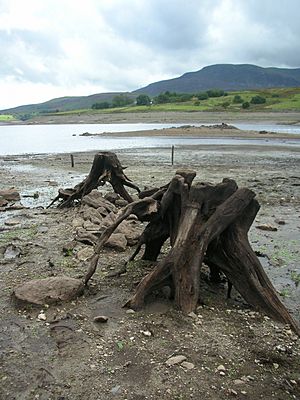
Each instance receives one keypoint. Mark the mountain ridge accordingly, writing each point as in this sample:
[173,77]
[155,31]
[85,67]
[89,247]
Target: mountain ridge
[229,77]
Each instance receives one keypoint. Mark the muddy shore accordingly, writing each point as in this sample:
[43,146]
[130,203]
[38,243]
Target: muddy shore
[79,359]
[166,117]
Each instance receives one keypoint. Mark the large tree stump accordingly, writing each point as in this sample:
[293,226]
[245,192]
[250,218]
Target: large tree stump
[105,168]
[212,225]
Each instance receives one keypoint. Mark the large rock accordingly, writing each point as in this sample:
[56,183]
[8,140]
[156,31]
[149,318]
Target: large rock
[117,241]
[10,194]
[3,202]
[94,199]
[131,233]
[85,253]
[49,290]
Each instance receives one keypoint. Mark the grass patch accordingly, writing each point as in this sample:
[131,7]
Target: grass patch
[18,234]
[6,117]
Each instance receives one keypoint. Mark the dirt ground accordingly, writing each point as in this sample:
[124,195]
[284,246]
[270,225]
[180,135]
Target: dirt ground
[233,351]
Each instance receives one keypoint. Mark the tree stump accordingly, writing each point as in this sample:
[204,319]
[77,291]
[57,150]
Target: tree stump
[105,168]
[207,223]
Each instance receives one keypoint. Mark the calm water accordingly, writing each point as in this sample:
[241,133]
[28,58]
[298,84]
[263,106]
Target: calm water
[31,139]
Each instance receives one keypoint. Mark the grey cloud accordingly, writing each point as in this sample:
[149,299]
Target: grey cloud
[165,25]
[19,45]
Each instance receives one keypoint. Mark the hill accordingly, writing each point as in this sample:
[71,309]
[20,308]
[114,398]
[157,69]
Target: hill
[226,77]
[65,103]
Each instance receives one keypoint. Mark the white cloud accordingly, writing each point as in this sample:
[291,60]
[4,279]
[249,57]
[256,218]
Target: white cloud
[54,48]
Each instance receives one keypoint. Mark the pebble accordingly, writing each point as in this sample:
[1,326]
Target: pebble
[116,389]
[187,365]
[192,315]
[130,311]
[220,368]
[175,360]
[267,227]
[42,316]
[12,222]
[101,318]
[239,382]
[146,333]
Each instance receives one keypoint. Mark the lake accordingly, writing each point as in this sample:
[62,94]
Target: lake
[39,139]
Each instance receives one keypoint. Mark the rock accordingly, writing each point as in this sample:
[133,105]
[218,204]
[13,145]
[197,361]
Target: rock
[11,251]
[109,219]
[77,222]
[175,360]
[280,221]
[12,222]
[146,333]
[42,229]
[92,215]
[187,365]
[117,241]
[112,197]
[49,290]
[130,311]
[42,316]
[102,211]
[101,318]
[121,203]
[94,199]
[85,253]
[115,390]
[232,392]
[267,227]
[89,226]
[131,233]
[192,315]
[3,202]
[220,368]
[52,183]
[239,382]
[10,194]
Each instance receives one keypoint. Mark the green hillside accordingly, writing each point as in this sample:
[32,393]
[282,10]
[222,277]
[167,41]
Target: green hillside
[275,100]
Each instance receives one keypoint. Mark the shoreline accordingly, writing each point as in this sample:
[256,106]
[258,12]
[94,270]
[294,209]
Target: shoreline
[278,117]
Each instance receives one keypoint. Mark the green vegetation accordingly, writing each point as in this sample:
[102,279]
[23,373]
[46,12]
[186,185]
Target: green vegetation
[295,276]
[6,117]
[210,100]
[258,100]
[122,100]
[237,99]
[101,105]
[143,100]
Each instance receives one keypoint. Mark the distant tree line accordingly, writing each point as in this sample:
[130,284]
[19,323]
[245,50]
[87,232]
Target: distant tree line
[123,100]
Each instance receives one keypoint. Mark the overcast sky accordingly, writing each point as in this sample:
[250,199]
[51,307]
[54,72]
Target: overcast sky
[54,48]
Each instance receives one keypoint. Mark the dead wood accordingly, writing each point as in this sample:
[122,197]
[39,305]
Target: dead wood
[211,223]
[105,168]
[143,209]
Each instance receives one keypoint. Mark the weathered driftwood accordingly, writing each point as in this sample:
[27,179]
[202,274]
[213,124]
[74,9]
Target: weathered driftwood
[105,168]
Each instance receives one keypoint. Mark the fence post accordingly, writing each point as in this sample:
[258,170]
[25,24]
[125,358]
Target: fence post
[172,155]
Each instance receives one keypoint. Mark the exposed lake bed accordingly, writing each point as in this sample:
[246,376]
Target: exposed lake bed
[251,344]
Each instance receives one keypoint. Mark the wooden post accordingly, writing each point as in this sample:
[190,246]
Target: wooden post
[172,155]
[72,161]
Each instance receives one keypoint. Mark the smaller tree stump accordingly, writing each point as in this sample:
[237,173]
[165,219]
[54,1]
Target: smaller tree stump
[106,167]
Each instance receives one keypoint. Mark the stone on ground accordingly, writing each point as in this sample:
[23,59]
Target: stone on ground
[49,290]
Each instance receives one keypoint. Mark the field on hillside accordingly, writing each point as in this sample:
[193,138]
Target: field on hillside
[6,117]
[276,100]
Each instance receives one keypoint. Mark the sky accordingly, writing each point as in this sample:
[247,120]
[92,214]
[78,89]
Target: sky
[55,48]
